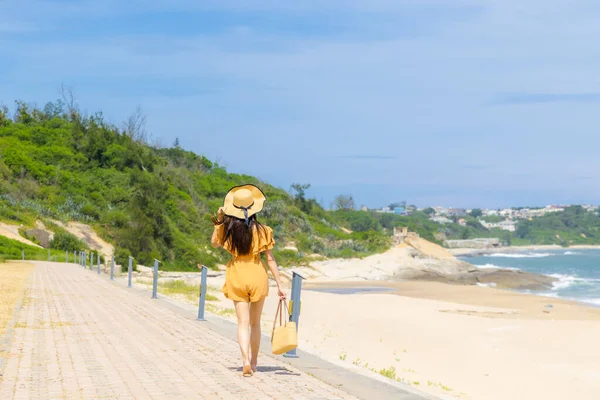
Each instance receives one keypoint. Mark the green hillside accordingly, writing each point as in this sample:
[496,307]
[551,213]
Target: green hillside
[150,202]
[573,226]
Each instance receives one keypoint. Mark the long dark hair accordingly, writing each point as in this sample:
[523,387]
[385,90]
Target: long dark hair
[237,233]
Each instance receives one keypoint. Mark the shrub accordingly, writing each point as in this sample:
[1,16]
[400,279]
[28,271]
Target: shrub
[67,242]
[122,258]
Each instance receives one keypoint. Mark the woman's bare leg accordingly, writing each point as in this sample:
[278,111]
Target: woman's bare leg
[255,314]
[242,309]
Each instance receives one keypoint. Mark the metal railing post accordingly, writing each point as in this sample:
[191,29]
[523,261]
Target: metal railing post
[296,290]
[48,255]
[129,271]
[155,279]
[67,256]
[112,268]
[85,260]
[98,262]
[202,300]
[23,254]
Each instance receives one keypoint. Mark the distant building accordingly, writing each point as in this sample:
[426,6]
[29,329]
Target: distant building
[479,243]
[457,212]
[462,222]
[400,210]
[506,225]
[402,233]
[441,220]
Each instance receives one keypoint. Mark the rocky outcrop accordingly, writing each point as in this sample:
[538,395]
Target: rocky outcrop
[42,236]
[406,262]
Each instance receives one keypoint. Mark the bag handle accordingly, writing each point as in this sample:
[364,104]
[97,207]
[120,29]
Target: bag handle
[279,313]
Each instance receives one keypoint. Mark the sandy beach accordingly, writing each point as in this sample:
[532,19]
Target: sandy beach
[452,341]
[458,341]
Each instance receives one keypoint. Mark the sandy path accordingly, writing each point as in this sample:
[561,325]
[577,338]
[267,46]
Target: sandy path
[88,235]
[12,232]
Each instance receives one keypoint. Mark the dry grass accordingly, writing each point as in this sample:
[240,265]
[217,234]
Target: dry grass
[12,285]
[180,287]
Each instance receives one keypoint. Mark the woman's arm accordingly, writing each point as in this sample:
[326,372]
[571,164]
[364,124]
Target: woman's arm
[275,271]
[215,241]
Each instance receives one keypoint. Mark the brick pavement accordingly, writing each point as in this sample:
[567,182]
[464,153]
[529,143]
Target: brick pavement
[78,336]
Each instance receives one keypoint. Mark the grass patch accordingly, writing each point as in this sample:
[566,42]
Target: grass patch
[343,356]
[191,292]
[220,311]
[440,385]
[388,372]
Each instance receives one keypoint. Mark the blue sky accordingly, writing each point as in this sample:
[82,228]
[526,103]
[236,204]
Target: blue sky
[458,103]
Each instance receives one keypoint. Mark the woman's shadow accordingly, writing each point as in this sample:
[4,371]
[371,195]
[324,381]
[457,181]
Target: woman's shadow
[266,368]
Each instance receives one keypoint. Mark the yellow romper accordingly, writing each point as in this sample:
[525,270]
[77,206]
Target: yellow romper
[246,277]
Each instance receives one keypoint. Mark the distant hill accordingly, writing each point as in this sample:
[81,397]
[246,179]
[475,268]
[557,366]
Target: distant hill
[150,202]
[573,226]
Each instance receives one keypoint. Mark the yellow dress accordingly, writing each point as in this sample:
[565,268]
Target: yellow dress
[246,277]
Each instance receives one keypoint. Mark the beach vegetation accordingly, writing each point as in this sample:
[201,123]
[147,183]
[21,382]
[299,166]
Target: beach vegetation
[388,372]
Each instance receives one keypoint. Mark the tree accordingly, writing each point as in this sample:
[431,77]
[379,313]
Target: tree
[300,190]
[4,118]
[429,211]
[507,238]
[135,126]
[68,98]
[344,202]
[476,213]
[300,196]
[176,143]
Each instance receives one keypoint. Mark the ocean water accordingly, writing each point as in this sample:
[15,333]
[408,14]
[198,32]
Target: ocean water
[578,270]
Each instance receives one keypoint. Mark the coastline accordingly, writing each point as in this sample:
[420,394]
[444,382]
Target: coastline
[464,252]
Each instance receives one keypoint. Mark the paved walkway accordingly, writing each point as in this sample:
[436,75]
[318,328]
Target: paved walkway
[79,336]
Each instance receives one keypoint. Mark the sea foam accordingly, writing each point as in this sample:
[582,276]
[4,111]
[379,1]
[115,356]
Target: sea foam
[511,255]
[492,266]
[566,281]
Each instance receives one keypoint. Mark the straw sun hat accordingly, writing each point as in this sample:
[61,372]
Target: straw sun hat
[243,201]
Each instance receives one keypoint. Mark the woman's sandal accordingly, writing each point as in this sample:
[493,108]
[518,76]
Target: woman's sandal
[247,371]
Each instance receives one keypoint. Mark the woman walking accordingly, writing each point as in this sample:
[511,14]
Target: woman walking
[237,230]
